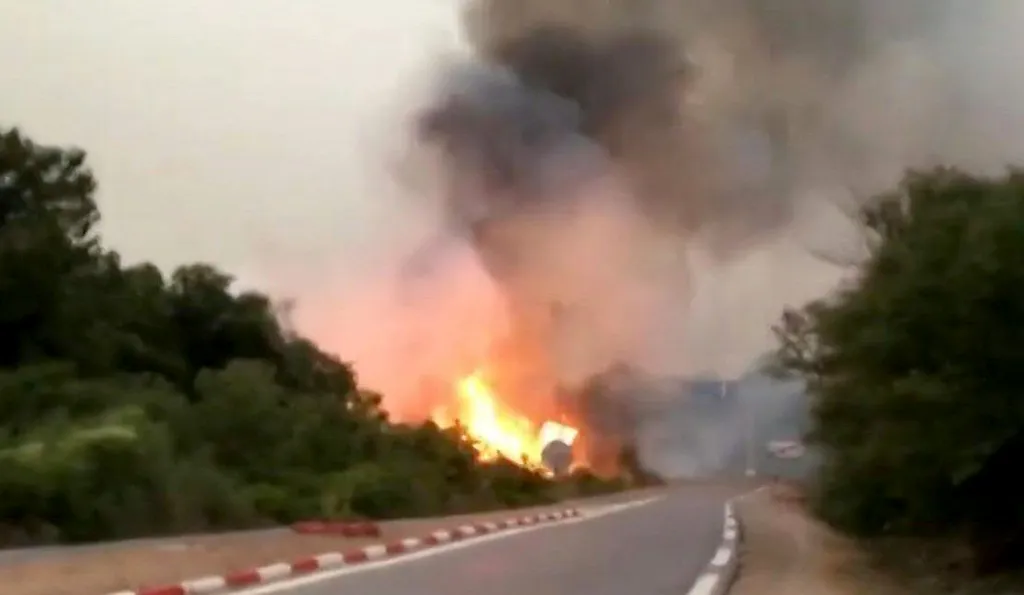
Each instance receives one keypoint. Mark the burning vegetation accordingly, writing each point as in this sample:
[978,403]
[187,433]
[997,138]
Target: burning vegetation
[510,413]
[584,154]
[498,430]
[543,144]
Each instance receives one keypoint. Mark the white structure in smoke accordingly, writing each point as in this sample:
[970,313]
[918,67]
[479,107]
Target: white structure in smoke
[786,449]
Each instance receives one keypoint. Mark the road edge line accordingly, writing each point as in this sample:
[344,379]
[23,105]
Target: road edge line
[723,568]
[277,571]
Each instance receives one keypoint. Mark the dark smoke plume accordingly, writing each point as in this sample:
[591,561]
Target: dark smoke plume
[533,134]
[587,146]
[539,111]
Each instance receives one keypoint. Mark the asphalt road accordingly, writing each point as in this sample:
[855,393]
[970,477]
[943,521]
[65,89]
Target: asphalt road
[656,549]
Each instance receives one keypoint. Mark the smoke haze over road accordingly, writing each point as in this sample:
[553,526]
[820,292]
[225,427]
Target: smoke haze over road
[674,189]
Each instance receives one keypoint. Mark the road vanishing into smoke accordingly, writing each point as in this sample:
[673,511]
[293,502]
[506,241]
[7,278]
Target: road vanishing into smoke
[656,548]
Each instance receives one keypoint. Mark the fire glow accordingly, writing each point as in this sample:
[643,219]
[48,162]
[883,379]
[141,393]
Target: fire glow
[498,431]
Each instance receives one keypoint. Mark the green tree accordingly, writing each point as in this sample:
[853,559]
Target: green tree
[132,404]
[47,217]
[914,367]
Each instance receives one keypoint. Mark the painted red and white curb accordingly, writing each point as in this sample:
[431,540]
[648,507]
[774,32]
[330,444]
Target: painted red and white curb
[721,570]
[331,560]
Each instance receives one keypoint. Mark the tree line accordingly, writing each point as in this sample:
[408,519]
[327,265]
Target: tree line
[915,369]
[134,403]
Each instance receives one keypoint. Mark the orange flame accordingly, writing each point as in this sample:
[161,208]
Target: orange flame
[498,430]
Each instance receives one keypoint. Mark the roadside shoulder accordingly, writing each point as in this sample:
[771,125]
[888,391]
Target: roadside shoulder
[786,552]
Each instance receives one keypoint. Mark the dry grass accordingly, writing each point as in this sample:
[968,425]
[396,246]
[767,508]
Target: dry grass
[785,552]
[934,567]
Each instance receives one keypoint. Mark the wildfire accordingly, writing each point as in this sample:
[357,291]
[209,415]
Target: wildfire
[498,430]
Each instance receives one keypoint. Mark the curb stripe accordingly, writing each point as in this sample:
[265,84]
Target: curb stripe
[717,577]
[282,570]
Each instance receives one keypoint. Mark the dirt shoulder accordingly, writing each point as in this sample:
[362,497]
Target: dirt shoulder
[785,552]
[105,570]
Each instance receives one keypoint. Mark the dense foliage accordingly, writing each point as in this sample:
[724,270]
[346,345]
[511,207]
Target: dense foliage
[915,368]
[134,404]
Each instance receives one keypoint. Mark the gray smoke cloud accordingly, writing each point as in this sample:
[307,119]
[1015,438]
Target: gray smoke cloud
[651,182]
[546,112]
[562,150]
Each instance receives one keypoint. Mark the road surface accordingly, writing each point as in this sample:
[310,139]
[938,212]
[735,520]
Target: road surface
[655,549]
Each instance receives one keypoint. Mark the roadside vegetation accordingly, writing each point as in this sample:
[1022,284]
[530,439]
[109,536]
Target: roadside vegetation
[134,403]
[914,368]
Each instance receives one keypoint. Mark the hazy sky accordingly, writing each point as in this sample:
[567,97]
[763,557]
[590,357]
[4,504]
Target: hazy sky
[231,132]
[255,134]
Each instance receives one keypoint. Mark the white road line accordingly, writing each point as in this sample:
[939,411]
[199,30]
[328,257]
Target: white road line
[705,585]
[722,556]
[710,580]
[319,577]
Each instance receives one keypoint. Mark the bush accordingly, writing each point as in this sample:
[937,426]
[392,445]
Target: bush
[914,369]
[134,404]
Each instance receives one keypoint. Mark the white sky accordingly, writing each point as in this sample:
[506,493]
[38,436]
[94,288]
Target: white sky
[252,134]
[223,131]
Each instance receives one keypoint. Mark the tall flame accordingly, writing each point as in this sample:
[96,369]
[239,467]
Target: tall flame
[497,429]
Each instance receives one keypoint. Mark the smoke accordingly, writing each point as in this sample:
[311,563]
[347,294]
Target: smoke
[539,116]
[651,182]
[573,167]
